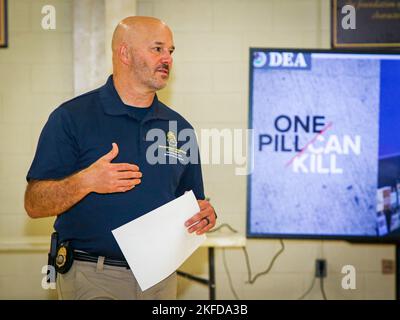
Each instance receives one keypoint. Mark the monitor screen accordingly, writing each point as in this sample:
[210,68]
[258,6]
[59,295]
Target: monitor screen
[325,144]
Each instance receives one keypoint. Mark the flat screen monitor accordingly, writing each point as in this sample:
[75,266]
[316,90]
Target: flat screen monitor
[325,145]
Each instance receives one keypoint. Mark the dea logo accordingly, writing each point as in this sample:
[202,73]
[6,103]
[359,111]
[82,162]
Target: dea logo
[171,139]
[259,59]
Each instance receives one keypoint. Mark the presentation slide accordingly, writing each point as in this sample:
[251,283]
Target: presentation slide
[326,144]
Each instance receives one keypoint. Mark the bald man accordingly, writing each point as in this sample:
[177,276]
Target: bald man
[93,168]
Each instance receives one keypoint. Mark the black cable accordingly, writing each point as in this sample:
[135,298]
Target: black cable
[229,275]
[312,286]
[221,226]
[309,290]
[249,273]
[252,280]
[322,288]
[246,255]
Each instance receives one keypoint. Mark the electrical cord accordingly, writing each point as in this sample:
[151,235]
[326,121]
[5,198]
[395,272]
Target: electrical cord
[229,275]
[322,288]
[312,286]
[222,226]
[253,280]
[308,290]
[250,279]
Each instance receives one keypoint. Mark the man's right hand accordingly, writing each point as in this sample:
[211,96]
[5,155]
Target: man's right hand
[106,177]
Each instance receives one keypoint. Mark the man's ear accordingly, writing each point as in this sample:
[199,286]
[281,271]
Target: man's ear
[124,54]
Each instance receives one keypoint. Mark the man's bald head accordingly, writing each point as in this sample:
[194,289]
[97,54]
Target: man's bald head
[133,29]
[142,52]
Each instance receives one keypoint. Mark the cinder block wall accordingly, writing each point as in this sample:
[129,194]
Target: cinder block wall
[210,88]
[35,77]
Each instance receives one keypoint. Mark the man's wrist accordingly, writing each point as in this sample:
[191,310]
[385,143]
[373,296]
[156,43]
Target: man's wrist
[83,182]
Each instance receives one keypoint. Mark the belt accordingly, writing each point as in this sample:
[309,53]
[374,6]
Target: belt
[83,256]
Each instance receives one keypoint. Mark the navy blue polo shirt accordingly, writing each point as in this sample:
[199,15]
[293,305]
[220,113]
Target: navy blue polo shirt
[81,131]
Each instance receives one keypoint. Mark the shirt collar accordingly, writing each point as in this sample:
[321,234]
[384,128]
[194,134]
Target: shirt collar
[114,106]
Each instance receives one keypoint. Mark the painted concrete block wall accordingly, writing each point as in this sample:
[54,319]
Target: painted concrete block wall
[36,75]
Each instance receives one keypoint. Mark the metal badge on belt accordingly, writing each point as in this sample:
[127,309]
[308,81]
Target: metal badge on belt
[64,258]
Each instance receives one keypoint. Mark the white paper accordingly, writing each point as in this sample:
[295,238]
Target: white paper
[157,243]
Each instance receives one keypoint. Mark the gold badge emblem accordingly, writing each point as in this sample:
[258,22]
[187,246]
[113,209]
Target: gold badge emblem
[61,257]
[171,139]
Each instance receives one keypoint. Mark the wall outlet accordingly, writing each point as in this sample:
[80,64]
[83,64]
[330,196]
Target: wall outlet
[320,268]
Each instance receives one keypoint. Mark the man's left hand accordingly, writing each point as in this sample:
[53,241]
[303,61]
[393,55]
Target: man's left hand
[204,220]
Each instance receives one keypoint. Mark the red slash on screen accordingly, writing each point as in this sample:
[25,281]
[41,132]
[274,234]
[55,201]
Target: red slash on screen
[310,142]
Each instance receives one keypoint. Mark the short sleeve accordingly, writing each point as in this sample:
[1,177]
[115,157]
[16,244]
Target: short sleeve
[57,151]
[192,179]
